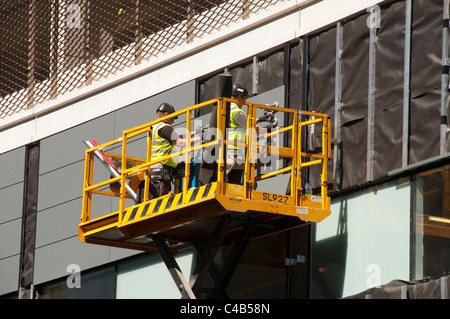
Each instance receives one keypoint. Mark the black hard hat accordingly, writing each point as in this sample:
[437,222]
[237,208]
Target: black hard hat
[239,88]
[166,107]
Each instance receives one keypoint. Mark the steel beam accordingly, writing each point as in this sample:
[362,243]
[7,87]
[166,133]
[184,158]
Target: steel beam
[207,255]
[233,259]
[174,269]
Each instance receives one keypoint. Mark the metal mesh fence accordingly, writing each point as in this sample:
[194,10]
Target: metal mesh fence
[51,47]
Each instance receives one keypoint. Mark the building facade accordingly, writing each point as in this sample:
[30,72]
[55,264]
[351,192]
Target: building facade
[78,70]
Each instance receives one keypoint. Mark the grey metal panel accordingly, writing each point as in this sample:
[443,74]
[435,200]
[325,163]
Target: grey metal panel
[12,167]
[11,198]
[9,270]
[120,253]
[66,216]
[144,111]
[60,200]
[10,238]
[10,233]
[61,185]
[51,261]
[269,97]
[54,244]
[62,161]
[67,147]
[58,222]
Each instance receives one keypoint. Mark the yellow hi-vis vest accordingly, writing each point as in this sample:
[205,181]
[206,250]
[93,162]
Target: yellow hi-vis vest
[236,133]
[162,147]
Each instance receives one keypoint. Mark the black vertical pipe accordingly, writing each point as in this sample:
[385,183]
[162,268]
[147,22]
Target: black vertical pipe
[29,215]
[223,89]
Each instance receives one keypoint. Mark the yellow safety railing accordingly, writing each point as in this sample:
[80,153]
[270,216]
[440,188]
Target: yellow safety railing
[136,170]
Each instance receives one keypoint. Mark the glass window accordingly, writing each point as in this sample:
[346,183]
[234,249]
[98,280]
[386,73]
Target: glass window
[148,277]
[364,243]
[432,223]
[96,284]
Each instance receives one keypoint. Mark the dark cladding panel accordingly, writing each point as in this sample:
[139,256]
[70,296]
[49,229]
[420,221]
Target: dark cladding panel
[296,74]
[207,88]
[322,72]
[270,72]
[388,140]
[355,68]
[243,73]
[389,67]
[425,121]
[426,48]
[354,149]
[389,64]
[269,75]
[322,54]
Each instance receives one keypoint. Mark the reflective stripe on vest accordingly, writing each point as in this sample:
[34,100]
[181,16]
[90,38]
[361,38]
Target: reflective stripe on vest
[236,133]
[162,147]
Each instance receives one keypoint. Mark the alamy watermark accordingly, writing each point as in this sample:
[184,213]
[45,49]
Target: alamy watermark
[374,277]
[74,279]
[73,18]
[374,18]
[212,155]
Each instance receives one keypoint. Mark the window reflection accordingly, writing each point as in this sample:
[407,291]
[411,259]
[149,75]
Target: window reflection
[432,223]
[97,284]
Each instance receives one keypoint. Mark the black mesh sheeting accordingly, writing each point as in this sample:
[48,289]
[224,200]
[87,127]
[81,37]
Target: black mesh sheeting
[354,152]
[426,58]
[242,73]
[355,66]
[425,122]
[389,66]
[392,290]
[270,72]
[426,46]
[388,140]
[322,54]
[427,289]
[355,70]
[296,74]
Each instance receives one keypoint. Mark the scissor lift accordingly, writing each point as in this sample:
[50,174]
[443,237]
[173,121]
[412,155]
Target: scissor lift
[217,213]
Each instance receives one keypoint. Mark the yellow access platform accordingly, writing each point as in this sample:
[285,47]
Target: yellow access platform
[112,214]
[189,211]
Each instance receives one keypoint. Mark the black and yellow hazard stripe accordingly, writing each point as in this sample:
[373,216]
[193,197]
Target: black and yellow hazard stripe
[168,203]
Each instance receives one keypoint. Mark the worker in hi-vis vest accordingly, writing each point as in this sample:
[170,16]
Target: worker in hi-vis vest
[165,142]
[237,133]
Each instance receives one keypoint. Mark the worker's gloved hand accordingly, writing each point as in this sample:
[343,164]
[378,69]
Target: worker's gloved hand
[275,122]
[272,125]
[266,118]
